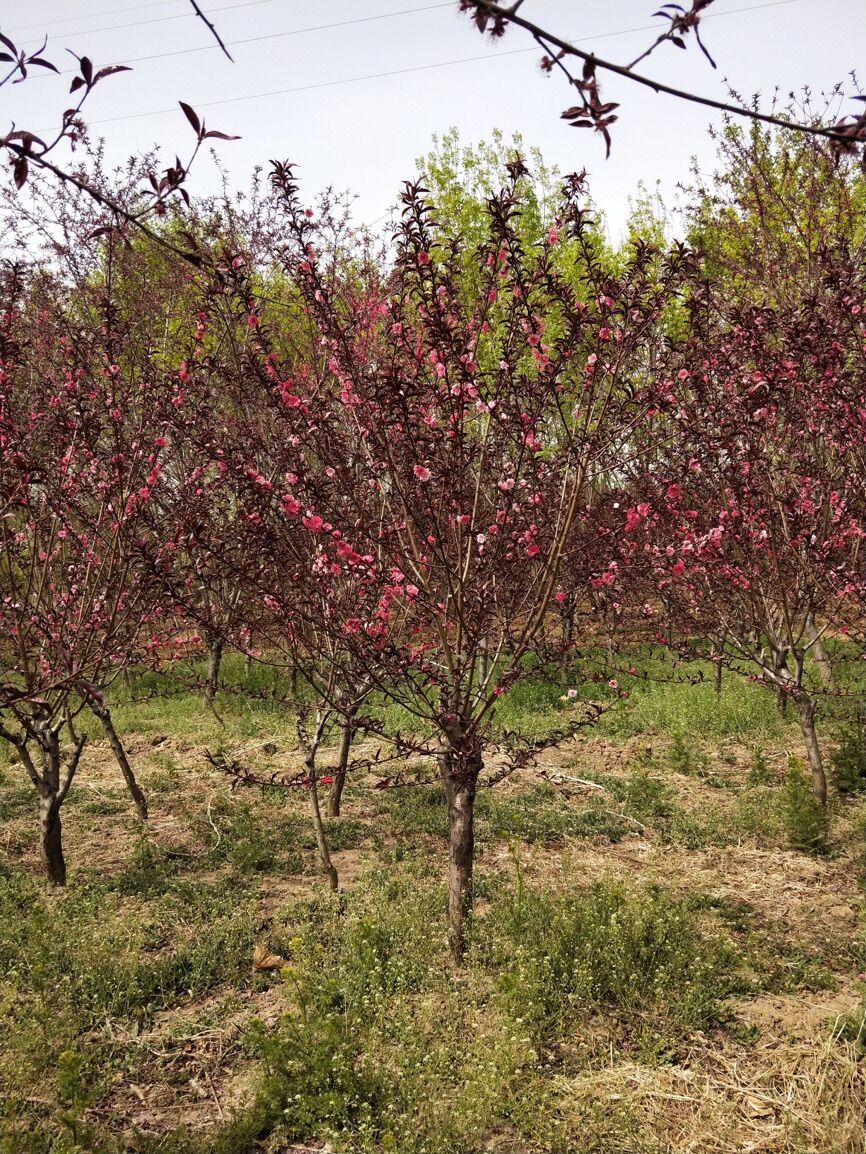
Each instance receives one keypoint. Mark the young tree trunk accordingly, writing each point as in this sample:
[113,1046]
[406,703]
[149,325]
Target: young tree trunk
[717,667]
[483,664]
[321,840]
[459,770]
[780,666]
[347,732]
[135,791]
[567,636]
[806,709]
[50,831]
[825,668]
[214,660]
[50,781]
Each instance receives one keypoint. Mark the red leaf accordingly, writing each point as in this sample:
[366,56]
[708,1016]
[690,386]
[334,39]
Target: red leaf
[191,116]
[20,171]
[109,70]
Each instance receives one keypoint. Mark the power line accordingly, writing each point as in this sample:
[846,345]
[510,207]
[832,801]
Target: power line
[404,71]
[156,19]
[322,84]
[272,35]
[93,15]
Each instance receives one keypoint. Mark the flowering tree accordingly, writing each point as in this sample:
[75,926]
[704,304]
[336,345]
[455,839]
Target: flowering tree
[414,473]
[751,520]
[78,461]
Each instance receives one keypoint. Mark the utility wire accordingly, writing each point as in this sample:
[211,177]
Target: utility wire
[400,71]
[189,14]
[268,36]
[93,15]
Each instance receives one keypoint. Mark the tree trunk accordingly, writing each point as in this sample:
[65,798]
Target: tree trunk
[780,667]
[806,708]
[459,770]
[347,731]
[50,830]
[483,664]
[135,791]
[718,649]
[214,660]
[825,669]
[567,635]
[321,841]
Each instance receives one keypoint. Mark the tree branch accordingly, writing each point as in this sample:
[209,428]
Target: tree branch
[212,28]
[845,133]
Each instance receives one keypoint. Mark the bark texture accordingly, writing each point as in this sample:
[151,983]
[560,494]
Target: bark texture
[335,797]
[459,766]
[135,791]
[806,710]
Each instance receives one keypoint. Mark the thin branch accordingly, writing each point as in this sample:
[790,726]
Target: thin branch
[841,134]
[212,28]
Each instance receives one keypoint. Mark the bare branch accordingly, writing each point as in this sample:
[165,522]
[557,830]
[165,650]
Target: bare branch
[212,28]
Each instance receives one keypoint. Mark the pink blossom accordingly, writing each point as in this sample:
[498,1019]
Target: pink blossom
[313,522]
[422,472]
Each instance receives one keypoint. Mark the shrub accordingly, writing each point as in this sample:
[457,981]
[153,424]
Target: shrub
[640,954]
[848,762]
[805,820]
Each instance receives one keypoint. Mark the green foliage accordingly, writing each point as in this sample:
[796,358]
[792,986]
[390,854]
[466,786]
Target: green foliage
[805,818]
[73,962]
[694,713]
[685,758]
[778,200]
[760,772]
[387,1048]
[542,814]
[848,762]
[461,179]
[640,954]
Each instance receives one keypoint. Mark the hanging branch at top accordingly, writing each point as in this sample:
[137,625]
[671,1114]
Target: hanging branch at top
[27,150]
[212,28]
[595,113]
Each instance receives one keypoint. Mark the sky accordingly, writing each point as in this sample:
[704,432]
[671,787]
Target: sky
[353,91]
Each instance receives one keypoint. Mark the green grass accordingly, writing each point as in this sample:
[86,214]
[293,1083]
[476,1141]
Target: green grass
[381,1044]
[390,1049]
[76,973]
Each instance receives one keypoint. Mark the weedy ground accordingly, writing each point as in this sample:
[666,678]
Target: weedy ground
[664,955]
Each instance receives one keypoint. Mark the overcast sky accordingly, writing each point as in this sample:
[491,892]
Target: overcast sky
[353,90]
